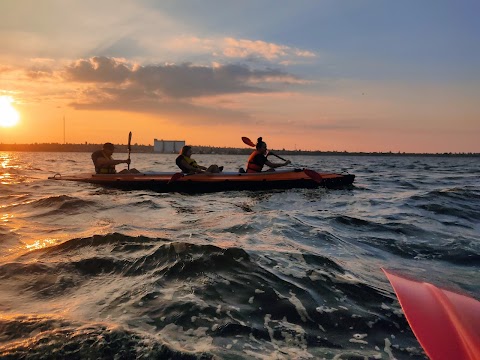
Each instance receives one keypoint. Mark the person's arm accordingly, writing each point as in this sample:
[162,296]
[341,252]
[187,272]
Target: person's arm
[101,161]
[276,165]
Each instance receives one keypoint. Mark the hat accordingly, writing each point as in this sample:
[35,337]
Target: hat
[108,146]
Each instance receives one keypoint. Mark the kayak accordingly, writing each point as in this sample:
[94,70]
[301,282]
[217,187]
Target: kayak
[446,324]
[209,182]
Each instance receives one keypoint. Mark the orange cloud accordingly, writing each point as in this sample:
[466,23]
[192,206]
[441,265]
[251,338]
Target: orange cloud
[230,47]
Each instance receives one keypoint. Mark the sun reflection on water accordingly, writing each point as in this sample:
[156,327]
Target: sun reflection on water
[6,179]
[5,217]
[6,166]
[41,244]
[4,159]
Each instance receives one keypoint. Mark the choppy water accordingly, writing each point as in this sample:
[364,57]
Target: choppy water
[89,273]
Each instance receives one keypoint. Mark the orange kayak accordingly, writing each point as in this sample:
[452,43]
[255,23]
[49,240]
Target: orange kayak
[206,182]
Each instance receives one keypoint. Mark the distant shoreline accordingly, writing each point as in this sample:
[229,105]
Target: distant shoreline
[55,147]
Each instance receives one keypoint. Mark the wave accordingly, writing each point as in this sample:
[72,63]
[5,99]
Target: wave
[63,202]
[298,305]
[370,227]
[461,203]
[52,205]
[456,252]
[407,239]
[39,337]
[467,193]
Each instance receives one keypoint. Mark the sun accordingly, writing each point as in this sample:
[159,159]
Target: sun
[8,115]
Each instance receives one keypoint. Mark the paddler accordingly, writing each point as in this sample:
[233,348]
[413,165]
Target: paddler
[258,159]
[105,164]
[189,166]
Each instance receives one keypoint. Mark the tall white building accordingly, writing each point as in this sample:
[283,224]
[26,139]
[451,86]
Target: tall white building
[168,146]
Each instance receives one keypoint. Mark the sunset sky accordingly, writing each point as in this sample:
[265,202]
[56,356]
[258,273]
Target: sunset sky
[353,75]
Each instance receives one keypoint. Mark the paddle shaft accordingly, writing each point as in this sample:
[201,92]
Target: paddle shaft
[281,158]
[129,148]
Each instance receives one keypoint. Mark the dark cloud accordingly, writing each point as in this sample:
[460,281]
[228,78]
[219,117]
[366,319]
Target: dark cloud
[177,81]
[180,81]
[98,69]
[168,90]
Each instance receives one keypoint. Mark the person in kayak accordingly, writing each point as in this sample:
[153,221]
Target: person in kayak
[190,166]
[105,164]
[258,159]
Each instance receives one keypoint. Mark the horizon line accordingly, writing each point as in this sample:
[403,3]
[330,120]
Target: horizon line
[389,152]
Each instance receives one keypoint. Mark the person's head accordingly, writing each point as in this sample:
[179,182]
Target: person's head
[186,151]
[261,145]
[108,147]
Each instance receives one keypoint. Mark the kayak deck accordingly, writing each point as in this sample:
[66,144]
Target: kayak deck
[209,182]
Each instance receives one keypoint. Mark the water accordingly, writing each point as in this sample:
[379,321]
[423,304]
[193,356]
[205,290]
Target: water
[88,272]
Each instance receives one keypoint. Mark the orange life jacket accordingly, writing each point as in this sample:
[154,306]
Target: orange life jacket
[251,166]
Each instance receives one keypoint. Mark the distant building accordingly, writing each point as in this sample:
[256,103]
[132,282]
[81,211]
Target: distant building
[168,146]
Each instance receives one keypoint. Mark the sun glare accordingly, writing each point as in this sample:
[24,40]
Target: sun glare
[8,115]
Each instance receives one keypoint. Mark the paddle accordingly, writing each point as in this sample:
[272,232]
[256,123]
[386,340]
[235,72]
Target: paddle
[248,141]
[311,173]
[446,324]
[175,177]
[129,148]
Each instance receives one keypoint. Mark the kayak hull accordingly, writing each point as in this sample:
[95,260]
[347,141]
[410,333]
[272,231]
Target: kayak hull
[206,182]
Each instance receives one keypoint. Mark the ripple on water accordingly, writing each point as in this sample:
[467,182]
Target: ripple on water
[301,303]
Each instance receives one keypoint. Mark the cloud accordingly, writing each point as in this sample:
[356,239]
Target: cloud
[247,48]
[5,69]
[41,68]
[239,49]
[39,73]
[177,81]
[170,89]
[98,69]
[242,48]
[136,100]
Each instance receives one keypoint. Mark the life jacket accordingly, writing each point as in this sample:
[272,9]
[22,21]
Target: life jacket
[188,160]
[105,169]
[251,165]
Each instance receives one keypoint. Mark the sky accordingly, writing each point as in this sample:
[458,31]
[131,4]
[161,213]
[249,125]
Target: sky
[332,75]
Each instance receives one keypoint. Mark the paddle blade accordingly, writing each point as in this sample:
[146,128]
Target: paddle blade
[446,324]
[175,177]
[313,174]
[247,141]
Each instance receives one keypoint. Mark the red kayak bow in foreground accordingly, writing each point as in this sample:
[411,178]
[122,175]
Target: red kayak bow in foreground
[446,324]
